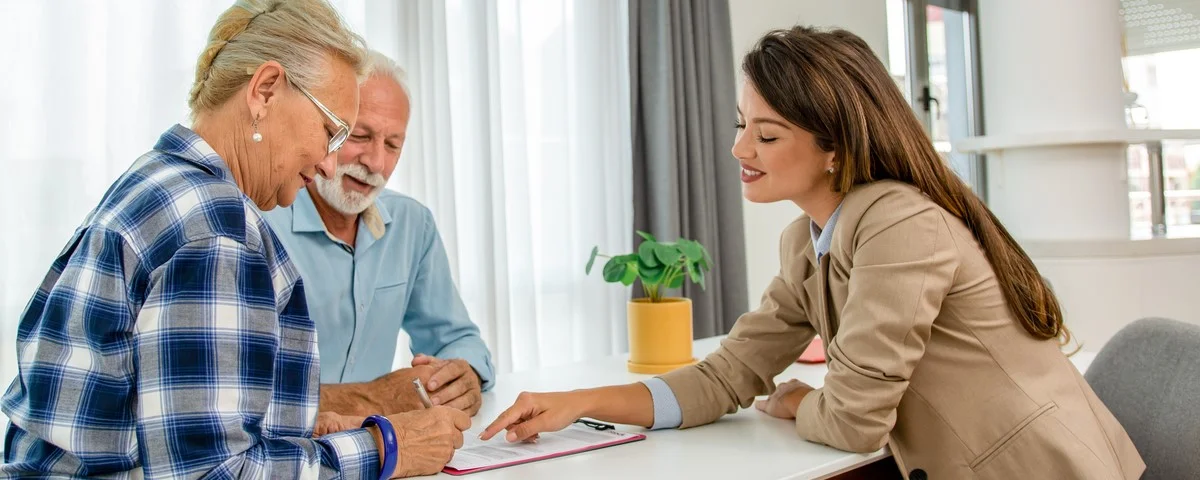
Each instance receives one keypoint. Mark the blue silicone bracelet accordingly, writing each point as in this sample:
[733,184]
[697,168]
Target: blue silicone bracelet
[390,449]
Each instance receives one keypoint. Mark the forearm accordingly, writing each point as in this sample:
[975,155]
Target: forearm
[350,399]
[625,404]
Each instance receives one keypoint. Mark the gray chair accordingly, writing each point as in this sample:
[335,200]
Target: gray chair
[1149,377]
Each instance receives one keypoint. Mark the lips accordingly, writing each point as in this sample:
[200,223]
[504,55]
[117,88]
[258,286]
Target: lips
[306,178]
[751,174]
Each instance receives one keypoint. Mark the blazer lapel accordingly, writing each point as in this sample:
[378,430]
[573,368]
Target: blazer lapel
[822,294]
[815,290]
[828,318]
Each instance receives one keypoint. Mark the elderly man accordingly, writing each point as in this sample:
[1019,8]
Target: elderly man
[373,263]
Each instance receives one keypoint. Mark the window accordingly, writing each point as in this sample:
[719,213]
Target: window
[1162,63]
[932,56]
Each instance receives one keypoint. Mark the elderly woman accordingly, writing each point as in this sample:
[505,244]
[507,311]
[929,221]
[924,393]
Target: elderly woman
[170,338]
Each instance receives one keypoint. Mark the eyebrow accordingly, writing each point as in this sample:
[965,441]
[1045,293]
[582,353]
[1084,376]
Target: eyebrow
[769,120]
[371,131]
[763,119]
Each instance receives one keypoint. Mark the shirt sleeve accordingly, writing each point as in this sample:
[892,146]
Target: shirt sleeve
[667,413]
[214,371]
[437,320]
[900,275]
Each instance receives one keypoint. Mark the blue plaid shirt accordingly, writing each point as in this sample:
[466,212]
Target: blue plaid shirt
[171,339]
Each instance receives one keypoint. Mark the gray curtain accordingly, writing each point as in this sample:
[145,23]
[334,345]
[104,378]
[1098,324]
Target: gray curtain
[685,181]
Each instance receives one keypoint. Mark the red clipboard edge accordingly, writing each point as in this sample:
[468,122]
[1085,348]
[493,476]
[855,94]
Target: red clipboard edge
[630,438]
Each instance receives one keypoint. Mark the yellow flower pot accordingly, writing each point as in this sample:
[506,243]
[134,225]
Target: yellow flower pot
[660,335]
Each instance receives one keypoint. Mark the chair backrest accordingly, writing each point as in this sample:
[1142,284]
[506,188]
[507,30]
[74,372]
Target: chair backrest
[1148,375]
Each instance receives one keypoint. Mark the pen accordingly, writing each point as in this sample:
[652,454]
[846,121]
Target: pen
[422,393]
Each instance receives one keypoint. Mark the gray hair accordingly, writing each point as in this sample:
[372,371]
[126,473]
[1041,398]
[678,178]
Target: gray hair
[382,65]
[299,34]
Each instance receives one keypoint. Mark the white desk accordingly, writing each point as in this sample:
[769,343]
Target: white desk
[747,445]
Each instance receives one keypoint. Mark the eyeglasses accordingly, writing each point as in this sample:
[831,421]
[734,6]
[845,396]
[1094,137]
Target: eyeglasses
[343,131]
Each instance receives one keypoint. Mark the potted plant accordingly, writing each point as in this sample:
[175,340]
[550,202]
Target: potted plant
[660,326]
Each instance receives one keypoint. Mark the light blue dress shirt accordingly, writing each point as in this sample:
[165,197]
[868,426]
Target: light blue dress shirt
[667,413]
[396,276]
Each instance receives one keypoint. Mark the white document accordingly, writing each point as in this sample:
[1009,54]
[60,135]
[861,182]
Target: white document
[477,453]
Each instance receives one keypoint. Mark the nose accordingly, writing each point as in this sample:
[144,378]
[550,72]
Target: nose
[373,156]
[742,150]
[328,165]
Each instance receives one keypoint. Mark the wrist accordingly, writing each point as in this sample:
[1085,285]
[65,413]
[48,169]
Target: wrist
[349,399]
[385,439]
[794,400]
[379,445]
[588,401]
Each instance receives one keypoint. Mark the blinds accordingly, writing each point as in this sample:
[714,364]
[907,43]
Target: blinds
[1153,26]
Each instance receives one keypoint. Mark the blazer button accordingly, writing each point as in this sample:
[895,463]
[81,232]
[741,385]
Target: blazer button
[917,474]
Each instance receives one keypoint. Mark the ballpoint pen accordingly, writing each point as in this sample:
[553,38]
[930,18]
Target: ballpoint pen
[422,393]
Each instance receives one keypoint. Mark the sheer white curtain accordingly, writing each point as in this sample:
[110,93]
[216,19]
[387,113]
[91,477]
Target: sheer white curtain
[519,144]
[87,87]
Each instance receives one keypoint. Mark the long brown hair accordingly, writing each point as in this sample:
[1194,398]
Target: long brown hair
[831,84]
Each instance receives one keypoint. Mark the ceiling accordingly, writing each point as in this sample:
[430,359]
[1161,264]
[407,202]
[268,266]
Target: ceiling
[1153,26]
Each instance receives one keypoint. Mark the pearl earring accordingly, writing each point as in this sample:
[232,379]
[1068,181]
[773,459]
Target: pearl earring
[257,137]
[829,170]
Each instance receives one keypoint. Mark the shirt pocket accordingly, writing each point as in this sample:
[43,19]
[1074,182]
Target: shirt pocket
[388,308]
[389,301]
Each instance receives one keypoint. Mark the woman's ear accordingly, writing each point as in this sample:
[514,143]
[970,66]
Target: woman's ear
[266,83]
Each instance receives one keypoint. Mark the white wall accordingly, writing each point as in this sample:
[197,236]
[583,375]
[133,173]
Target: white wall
[1101,294]
[750,20]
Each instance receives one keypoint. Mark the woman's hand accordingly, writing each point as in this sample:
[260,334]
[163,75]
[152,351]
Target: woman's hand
[534,413]
[330,422]
[786,399]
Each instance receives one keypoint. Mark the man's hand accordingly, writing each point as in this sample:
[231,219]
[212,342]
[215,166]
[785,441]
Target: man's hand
[453,383]
[391,393]
[395,390]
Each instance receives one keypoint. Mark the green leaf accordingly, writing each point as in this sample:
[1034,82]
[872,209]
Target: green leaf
[614,270]
[692,250]
[592,260]
[676,282]
[646,236]
[631,274]
[651,276]
[697,276]
[646,254]
[707,261]
[667,254]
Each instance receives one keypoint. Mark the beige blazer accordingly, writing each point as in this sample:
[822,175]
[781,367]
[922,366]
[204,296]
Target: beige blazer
[923,354]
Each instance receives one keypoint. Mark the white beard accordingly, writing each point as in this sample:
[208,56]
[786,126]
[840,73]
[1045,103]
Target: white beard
[350,202]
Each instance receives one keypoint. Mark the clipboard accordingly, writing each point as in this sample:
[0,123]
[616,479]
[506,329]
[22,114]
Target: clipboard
[582,436]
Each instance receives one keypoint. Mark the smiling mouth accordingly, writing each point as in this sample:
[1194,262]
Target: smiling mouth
[306,178]
[750,174]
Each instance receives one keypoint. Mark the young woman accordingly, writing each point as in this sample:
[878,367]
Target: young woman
[940,332]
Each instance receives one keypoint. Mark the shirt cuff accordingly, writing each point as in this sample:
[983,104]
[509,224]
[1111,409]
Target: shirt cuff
[667,413]
[356,452]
